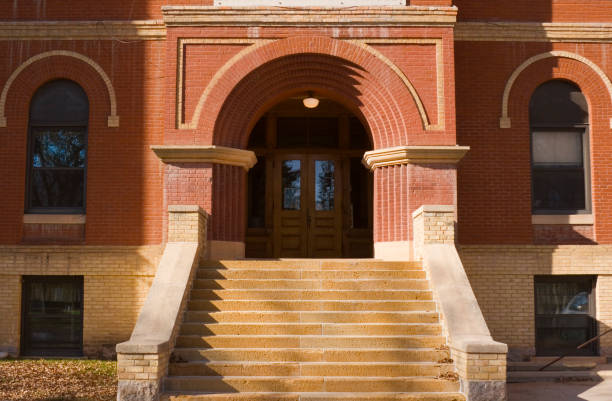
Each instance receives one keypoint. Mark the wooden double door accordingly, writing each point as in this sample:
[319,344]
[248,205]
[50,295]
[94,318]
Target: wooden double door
[307,215]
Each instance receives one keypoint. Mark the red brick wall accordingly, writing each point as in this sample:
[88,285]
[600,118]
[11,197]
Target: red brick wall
[495,176]
[400,190]
[124,191]
[539,10]
[339,70]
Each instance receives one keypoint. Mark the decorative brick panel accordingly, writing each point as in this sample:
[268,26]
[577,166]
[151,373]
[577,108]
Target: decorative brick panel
[480,366]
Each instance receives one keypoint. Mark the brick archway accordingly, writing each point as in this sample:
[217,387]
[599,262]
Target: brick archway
[337,69]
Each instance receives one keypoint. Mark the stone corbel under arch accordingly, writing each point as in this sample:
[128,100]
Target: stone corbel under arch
[113,118]
[504,121]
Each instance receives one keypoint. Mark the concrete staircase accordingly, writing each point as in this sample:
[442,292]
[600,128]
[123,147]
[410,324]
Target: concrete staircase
[311,330]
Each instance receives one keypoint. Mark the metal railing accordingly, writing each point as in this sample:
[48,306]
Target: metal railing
[578,347]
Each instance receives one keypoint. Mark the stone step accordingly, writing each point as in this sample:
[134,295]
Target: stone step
[246,341]
[330,295]
[312,264]
[311,329]
[311,317]
[302,284]
[328,369]
[311,355]
[308,384]
[292,274]
[310,305]
[269,396]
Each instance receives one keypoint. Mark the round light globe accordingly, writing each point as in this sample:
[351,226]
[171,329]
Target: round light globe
[311,102]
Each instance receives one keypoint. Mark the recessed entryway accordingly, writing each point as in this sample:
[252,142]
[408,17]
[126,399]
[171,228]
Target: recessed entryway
[309,194]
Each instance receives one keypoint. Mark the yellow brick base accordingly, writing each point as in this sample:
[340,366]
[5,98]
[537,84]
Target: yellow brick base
[116,281]
[502,278]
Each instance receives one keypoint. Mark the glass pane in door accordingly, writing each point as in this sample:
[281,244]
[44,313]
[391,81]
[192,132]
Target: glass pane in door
[325,187]
[291,184]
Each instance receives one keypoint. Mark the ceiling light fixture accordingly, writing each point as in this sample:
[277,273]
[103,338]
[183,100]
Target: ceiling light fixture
[311,102]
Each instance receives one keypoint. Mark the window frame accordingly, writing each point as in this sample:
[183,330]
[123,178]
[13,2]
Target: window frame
[583,128]
[586,167]
[32,126]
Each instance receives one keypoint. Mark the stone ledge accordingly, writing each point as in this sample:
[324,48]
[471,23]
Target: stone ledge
[478,344]
[143,346]
[185,209]
[570,219]
[434,209]
[33,218]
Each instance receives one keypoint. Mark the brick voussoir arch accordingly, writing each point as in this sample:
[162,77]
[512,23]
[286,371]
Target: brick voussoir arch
[113,118]
[505,122]
[386,89]
[574,71]
[328,76]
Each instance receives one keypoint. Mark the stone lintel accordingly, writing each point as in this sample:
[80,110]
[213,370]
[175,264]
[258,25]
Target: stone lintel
[205,154]
[414,155]
[314,16]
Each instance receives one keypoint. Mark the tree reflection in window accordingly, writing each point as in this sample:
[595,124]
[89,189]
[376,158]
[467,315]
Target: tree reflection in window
[58,148]
[324,185]
[291,184]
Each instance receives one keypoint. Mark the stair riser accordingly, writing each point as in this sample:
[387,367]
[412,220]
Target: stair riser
[357,285]
[311,265]
[326,397]
[312,317]
[311,355]
[310,329]
[309,384]
[309,274]
[391,295]
[271,305]
[308,342]
[295,369]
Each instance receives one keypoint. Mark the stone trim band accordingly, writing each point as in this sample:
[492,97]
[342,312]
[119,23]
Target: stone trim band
[534,32]
[205,154]
[413,155]
[279,16]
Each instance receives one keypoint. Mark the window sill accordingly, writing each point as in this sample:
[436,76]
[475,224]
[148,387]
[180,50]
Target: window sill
[570,219]
[54,219]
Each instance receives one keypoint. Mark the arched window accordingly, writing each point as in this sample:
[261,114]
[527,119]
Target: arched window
[57,149]
[558,117]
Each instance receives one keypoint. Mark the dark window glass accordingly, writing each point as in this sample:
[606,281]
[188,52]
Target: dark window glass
[52,315]
[258,135]
[291,180]
[307,132]
[257,194]
[325,186]
[57,148]
[558,114]
[564,312]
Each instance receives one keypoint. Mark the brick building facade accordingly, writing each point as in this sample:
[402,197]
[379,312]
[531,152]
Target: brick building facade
[441,91]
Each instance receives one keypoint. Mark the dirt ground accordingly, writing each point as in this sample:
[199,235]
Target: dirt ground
[58,380]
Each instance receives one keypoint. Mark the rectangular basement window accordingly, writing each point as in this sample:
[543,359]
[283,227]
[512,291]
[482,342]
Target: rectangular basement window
[52,316]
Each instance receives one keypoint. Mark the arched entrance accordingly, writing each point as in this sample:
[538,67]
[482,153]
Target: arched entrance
[309,194]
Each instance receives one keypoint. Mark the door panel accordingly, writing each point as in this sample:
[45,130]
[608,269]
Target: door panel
[289,214]
[307,213]
[325,218]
